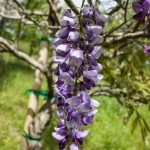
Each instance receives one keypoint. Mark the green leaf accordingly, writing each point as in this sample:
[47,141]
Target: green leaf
[128,116]
[144,134]
[135,123]
[146,125]
[141,56]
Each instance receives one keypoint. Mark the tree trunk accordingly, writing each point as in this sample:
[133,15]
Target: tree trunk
[33,99]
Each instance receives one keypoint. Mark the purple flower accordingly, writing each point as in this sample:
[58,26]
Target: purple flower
[61,113]
[93,30]
[58,136]
[61,139]
[97,40]
[57,41]
[92,75]
[77,71]
[101,19]
[78,136]
[96,53]
[87,119]
[62,33]
[147,49]
[73,36]
[76,57]
[141,8]
[88,11]
[74,146]
[63,48]
[94,65]
[58,59]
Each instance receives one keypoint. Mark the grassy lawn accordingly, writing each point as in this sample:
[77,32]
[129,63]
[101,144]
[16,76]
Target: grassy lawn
[108,131]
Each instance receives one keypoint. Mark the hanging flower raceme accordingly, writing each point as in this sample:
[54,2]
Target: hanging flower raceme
[77,50]
[142,9]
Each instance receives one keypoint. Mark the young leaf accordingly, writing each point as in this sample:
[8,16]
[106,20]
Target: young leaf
[135,123]
[127,116]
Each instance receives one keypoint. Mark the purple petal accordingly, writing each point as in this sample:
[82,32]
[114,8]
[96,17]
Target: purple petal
[58,59]
[85,97]
[69,109]
[67,13]
[98,78]
[72,72]
[77,53]
[61,113]
[68,21]
[96,29]
[57,92]
[87,119]
[58,41]
[138,16]
[89,33]
[89,83]
[74,101]
[60,130]
[62,33]
[63,47]
[96,53]
[61,123]
[90,74]
[86,10]
[64,76]
[136,7]
[74,146]
[105,18]
[73,36]
[76,57]
[147,49]
[83,134]
[74,124]
[91,113]
[97,40]
[84,107]
[74,115]
[94,103]
[70,124]
[98,67]
[57,136]
[146,7]
[62,144]
[101,19]
[78,124]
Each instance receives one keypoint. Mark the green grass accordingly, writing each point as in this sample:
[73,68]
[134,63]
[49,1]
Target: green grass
[107,129]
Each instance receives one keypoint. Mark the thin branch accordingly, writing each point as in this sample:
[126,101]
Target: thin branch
[90,2]
[53,10]
[19,5]
[36,12]
[29,21]
[115,28]
[11,48]
[115,9]
[120,4]
[129,36]
[125,10]
[72,6]
[26,15]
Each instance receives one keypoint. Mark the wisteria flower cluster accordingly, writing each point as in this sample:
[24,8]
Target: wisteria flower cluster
[77,49]
[142,9]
